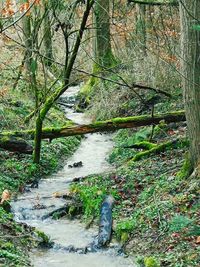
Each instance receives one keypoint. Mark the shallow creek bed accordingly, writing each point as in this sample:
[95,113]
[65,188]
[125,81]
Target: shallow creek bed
[69,236]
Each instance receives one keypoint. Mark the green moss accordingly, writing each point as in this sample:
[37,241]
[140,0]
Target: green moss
[88,88]
[138,119]
[124,228]
[186,169]
[160,148]
[4,139]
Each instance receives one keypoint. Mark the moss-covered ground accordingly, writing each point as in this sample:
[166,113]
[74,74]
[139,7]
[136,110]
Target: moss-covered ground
[156,214]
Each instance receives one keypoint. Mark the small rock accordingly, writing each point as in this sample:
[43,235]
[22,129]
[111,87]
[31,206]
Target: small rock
[76,164]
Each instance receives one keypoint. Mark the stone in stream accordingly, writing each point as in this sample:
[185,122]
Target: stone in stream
[76,164]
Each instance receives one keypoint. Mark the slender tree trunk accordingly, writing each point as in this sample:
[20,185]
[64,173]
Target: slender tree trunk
[141,27]
[30,63]
[30,39]
[103,52]
[37,140]
[51,100]
[26,23]
[47,36]
[190,46]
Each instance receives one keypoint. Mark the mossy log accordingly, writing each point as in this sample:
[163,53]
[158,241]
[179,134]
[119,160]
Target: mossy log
[101,126]
[160,148]
[142,145]
[15,145]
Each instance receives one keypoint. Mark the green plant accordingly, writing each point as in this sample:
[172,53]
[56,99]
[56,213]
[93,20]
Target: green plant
[151,262]
[179,222]
[44,240]
[124,228]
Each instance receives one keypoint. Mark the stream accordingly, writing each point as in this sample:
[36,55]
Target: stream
[92,152]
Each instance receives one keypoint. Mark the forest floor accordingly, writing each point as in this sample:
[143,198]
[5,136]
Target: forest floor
[156,213]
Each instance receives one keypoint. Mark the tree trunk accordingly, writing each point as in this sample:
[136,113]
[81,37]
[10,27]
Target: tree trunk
[26,23]
[103,52]
[54,96]
[30,62]
[100,126]
[141,27]
[103,56]
[47,36]
[190,47]
[37,140]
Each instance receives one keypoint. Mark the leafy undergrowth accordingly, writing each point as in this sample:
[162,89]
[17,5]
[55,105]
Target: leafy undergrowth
[16,170]
[156,214]
[15,108]
[13,238]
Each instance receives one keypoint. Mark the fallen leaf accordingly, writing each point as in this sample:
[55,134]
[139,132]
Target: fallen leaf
[198,240]
[170,247]
[175,235]
[6,195]
[57,194]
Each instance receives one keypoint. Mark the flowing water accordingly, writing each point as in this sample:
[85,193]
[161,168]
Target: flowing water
[92,152]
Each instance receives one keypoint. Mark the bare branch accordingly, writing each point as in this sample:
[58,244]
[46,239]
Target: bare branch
[155,3]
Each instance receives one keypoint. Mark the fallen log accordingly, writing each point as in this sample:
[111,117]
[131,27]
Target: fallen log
[156,149]
[15,145]
[101,126]
[105,225]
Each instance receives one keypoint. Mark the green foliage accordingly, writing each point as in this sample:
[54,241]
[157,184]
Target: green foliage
[91,197]
[196,27]
[179,223]
[91,194]
[124,228]
[11,252]
[125,138]
[44,240]
[120,155]
[151,262]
